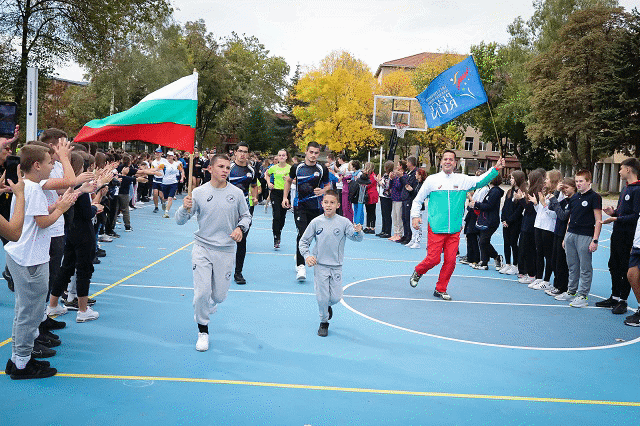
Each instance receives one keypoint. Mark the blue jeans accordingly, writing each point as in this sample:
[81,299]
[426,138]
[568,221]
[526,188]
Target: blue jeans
[358,214]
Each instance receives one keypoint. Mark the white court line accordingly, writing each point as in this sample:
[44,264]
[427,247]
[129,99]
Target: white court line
[410,299]
[345,304]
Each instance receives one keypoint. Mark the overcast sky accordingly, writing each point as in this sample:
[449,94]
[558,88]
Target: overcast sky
[375,31]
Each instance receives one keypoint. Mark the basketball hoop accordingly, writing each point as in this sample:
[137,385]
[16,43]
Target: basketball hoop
[400,129]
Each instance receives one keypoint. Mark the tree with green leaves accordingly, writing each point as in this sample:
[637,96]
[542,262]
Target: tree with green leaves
[49,31]
[618,97]
[566,78]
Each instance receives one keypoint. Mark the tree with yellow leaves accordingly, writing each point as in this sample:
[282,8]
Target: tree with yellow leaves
[336,104]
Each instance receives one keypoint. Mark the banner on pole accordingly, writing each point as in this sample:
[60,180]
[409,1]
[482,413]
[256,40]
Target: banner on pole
[452,93]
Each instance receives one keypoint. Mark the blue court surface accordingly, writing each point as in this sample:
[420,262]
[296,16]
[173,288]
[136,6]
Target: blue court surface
[498,353]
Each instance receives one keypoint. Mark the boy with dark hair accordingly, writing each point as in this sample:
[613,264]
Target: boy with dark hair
[581,239]
[312,181]
[624,218]
[223,216]
[28,262]
[330,232]
[244,176]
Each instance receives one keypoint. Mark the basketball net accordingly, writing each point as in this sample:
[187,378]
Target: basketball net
[400,129]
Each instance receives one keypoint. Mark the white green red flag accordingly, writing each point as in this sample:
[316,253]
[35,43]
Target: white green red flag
[165,117]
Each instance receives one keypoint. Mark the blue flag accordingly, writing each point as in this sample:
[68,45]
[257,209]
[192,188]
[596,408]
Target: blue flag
[454,92]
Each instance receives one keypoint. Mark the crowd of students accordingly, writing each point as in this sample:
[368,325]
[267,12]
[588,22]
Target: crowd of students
[53,220]
[551,227]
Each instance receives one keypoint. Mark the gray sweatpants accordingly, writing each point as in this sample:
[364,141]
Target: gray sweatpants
[579,261]
[212,271]
[31,287]
[327,281]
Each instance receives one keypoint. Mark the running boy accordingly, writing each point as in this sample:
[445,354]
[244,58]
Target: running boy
[223,216]
[329,230]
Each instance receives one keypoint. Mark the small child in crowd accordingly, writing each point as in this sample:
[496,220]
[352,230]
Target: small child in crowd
[330,232]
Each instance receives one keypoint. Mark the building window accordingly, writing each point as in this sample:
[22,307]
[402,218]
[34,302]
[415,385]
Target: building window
[468,143]
[495,146]
[481,165]
[482,146]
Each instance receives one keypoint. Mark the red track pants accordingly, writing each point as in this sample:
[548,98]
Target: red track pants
[436,244]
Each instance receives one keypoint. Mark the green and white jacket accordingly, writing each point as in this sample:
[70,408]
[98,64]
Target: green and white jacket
[447,194]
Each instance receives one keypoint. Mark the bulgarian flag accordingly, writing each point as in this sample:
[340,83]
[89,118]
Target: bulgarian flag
[165,117]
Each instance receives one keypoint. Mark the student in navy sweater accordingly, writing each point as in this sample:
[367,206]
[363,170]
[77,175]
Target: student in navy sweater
[511,218]
[488,221]
[624,218]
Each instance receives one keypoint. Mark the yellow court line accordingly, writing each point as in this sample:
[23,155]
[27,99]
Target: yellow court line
[351,390]
[125,278]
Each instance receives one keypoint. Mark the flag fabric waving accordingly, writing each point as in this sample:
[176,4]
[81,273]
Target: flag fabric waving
[453,92]
[165,117]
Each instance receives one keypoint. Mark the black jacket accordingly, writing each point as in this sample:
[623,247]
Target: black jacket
[628,208]
[491,207]
[409,178]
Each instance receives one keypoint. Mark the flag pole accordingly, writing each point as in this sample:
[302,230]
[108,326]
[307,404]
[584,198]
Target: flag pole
[496,130]
[190,186]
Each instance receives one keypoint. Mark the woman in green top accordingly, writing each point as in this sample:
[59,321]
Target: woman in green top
[275,181]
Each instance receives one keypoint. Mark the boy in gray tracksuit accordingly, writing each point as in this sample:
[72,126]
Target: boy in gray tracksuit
[223,215]
[329,230]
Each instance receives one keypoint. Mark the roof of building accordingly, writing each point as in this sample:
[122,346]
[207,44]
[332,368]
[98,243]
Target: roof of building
[73,82]
[412,61]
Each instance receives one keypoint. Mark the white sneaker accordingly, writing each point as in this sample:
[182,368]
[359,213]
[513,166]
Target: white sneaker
[534,283]
[513,270]
[414,246]
[544,285]
[58,310]
[166,214]
[88,315]
[579,302]
[526,279]
[203,342]
[565,296]
[504,269]
[301,273]
[104,238]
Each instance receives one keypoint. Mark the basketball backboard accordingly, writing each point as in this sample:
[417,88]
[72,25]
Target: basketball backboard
[389,110]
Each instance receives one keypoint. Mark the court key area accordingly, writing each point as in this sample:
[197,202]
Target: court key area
[497,353]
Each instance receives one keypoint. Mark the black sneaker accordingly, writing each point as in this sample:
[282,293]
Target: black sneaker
[609,303]
[47,341]
[330,312]
[10,365]
[113,234]
[73,305]
[41,351]
[620,308]
[128,228]
[155,210]
[442,295]
[9,368]
[323,331]
[47,333]
[7,276]
[33,370]
[91,301]
[415,277]
[464,260]
[101,253]
[276,243]
[239,279]
[633,320]
[96,261]
[51,324]
[499,262]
